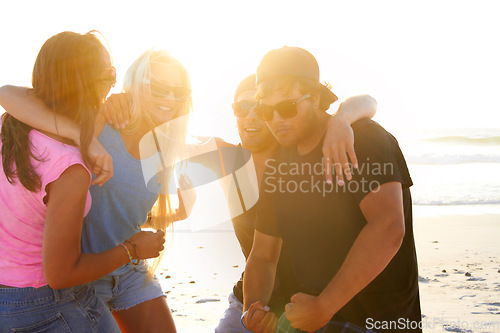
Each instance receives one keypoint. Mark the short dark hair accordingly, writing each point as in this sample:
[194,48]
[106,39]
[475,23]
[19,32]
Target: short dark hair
[248,83]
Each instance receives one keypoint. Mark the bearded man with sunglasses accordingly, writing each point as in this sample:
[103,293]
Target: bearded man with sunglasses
[259,141]
[352,247]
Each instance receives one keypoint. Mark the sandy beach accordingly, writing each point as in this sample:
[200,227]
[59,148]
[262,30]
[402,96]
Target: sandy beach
[459,270]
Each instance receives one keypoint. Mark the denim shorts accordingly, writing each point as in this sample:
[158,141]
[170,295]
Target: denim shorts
[121,292]
[231,320]
[75,309]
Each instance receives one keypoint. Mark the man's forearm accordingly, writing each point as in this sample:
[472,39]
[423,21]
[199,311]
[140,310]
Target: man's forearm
[258,281]
[373,249]
[18,102]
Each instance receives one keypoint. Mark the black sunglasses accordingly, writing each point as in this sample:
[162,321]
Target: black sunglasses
[286,109]
[161,90]
[241,108]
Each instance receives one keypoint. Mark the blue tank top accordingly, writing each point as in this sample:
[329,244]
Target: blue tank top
[121,205]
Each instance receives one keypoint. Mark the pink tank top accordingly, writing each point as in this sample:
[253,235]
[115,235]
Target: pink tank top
[22,213]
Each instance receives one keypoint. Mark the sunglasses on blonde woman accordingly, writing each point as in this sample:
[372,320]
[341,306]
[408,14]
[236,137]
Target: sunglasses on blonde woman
[163,90]
[286,109]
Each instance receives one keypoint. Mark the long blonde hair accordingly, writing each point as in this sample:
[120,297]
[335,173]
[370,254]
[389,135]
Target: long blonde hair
[169,138]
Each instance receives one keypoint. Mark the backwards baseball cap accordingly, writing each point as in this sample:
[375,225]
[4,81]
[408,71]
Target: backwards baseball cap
[293,62]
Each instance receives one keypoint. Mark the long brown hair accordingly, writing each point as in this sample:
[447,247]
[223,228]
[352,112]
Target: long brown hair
[69,76]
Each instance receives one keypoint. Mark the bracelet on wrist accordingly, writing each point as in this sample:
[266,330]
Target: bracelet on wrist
[243,324]
[136,251]
[128,252]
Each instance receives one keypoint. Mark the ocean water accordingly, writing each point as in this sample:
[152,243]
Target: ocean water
[457,168]
[454,171]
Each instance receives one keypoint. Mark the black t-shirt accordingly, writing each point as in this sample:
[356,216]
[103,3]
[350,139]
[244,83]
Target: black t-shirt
[286,281]
[319,223]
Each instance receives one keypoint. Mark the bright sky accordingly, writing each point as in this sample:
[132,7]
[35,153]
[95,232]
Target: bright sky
[428,63]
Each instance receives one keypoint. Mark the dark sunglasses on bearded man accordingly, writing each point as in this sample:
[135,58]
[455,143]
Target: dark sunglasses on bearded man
[286,109]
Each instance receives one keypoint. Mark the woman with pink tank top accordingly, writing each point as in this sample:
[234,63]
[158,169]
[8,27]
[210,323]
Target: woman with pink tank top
[44,197]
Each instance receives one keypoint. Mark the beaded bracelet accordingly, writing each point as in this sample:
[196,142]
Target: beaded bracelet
[128,252]
[134,261]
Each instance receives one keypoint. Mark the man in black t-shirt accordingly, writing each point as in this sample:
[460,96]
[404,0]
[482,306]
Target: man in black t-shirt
[257,139]
[352,246]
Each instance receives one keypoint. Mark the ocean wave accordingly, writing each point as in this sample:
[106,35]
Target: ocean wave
[465,140]
[438,158]
[454,202]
